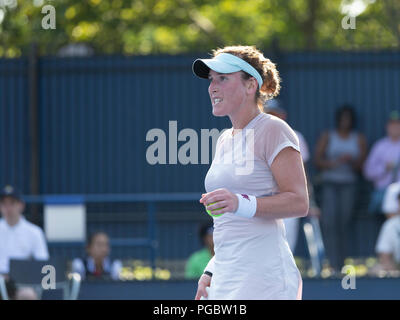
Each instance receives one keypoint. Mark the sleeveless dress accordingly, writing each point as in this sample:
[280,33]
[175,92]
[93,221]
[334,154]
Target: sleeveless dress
[337,147]
[252,257]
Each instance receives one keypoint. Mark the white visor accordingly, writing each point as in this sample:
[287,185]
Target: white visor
[224,63]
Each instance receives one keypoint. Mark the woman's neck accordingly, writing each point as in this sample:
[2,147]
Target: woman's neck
[98,261]
[242,119]
[343,132]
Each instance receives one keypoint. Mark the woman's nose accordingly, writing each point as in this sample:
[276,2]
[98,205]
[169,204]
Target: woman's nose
[213,88]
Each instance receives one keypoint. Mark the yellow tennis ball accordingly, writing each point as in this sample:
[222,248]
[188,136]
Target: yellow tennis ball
[214,215]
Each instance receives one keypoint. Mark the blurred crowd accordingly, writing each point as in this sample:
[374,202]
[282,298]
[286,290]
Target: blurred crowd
[342,158]
[342,161]
[22,240]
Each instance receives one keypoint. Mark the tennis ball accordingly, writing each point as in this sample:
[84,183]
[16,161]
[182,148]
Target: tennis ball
[214,215]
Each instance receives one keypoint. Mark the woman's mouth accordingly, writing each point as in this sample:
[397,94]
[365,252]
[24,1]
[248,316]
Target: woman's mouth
[216,101]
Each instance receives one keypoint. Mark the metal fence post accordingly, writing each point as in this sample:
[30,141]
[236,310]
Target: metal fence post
[34,126]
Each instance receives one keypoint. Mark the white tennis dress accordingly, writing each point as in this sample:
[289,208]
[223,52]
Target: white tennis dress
[252,257]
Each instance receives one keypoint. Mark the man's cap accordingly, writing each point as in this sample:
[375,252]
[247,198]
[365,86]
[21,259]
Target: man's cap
[394,115]
[224,63]
[10,191]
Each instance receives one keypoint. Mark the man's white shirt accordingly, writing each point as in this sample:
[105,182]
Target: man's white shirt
[389,238]
[21,241]
[390,203]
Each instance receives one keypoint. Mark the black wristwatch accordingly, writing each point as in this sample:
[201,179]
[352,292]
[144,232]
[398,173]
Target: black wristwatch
[208,273]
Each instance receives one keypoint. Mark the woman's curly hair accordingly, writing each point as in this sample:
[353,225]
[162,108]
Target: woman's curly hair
[265,67]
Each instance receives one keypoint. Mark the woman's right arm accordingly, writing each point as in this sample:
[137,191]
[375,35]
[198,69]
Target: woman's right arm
[205,280]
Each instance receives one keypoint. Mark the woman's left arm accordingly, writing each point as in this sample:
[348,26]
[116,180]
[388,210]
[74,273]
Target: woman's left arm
[292,199]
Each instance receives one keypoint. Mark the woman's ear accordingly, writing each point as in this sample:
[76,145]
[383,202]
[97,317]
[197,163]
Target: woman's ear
[252,85]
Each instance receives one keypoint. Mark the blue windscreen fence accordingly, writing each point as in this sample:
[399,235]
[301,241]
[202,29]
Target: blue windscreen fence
[94,114]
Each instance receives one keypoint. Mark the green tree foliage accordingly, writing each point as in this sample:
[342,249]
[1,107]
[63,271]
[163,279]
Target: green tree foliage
[180,26]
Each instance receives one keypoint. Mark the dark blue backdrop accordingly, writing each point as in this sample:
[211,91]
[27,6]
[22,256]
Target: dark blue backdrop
[94,114]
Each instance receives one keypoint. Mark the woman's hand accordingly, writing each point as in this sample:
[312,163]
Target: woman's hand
[204,282]
[345,158]
[227,201]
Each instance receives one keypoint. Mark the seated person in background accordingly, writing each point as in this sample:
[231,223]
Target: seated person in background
[19,239]
[22,293]
[383,163]
[199,259]
[11,289]
[97,264]
[26,293]
[388,244]
[390,205]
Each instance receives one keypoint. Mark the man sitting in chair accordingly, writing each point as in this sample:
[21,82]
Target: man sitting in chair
[388,243]
[19,239]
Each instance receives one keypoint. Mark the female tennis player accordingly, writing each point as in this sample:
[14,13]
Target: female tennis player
[252,258]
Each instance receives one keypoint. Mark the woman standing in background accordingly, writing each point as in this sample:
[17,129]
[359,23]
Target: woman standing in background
[340,154]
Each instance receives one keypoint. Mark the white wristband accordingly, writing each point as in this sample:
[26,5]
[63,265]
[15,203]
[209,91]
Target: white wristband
[247,205]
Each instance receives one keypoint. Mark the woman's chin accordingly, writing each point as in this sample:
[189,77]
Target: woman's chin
[218,112]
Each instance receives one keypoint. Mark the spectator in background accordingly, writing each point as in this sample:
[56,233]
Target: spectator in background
[390,206]
[274,108]
[383,163]
[23,293]
[97,264]
[26,293]
[10,288]
[198,260]
[339,155]
[388,244]
[19,239]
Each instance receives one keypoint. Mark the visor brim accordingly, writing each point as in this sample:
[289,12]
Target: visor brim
[201,67]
